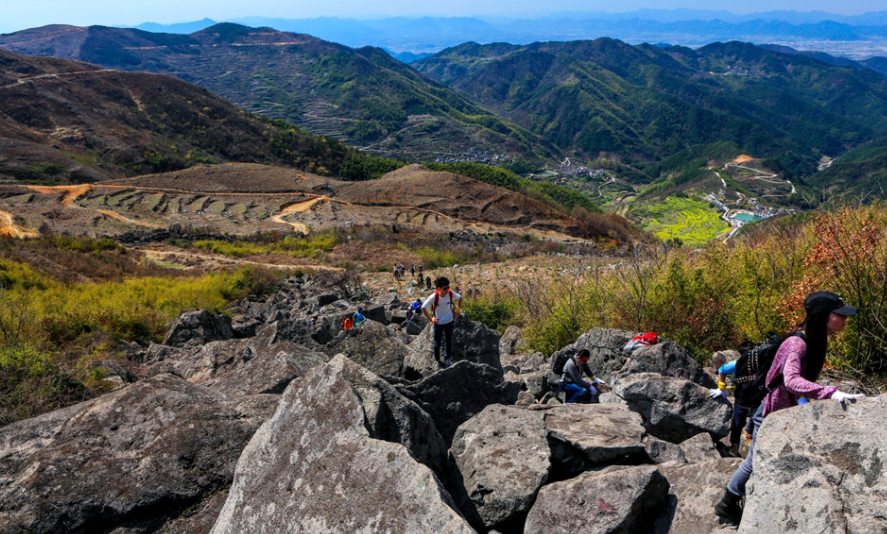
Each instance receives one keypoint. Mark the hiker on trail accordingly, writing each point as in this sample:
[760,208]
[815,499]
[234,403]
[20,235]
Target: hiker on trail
[358,316]
[413,270]
[428,284]
[396,273]
[442,308]
[571,383]
[740,413]
[420,279]
[458,291]
[791,377]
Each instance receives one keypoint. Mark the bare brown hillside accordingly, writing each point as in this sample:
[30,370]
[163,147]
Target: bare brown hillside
[66,121]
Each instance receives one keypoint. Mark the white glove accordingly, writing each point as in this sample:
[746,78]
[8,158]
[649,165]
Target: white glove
[840,396]
[715,393]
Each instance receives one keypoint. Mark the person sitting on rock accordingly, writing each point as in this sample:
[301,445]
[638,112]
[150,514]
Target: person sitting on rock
[792,376]
[571,383]
[442,308]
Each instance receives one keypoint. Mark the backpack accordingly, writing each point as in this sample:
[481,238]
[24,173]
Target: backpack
[559,362]
[347,323]
[641,340]
[752,367]
[437,296]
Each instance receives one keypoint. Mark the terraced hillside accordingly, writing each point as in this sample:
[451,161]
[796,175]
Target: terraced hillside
[362,96]
[244,199]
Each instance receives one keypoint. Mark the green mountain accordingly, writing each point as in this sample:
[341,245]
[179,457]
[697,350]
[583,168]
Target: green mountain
[861,171]
[644,104]
[363,96]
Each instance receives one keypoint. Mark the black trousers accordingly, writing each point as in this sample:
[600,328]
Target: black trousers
[443,331]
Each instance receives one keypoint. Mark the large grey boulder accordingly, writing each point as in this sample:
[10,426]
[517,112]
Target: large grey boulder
[605,346]
[819,467]
[372,345]
[472,341]
[693,491]
[267,373]
[674,409]
[669,359]
[455,395]
[502,459]
[622,501]
[583,436]
[392,417]
[198,327]
[143,454]
[316,466]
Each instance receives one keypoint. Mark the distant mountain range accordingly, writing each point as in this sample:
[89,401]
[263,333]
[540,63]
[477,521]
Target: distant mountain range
[361,96]
[604,98]
[649,112]
[812,30]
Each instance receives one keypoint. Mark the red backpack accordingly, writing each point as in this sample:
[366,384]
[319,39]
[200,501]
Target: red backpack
[641,340]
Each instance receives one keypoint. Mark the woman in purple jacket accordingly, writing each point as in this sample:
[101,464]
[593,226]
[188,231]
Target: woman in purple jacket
[795,368]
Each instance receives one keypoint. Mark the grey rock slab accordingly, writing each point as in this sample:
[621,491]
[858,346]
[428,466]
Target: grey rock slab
[147,453]
[503,458]
[392,417]
[820,467]
[674,409]
[587,435]
[453,396]
[621,501]
[700,448]
[693,491]
[268,373]
[315,467]
[660,452]
[669,359]
[198,327]
[472,341]
[372,345]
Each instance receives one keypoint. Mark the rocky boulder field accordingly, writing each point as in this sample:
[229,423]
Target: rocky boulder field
[254,421]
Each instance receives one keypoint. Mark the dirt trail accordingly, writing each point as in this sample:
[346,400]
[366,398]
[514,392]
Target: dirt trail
[8,228]
[161,254]
[298,207]
[72,192]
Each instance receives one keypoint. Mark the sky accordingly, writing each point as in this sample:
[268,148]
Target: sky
[17,14]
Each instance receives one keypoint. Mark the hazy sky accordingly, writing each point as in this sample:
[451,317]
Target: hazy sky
[20,14]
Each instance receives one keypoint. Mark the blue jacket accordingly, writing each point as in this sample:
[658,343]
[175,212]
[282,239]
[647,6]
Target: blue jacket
[728,369]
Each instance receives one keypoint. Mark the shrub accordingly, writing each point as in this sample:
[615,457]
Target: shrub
[31,384]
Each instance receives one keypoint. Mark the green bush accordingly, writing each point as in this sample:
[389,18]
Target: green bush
[31,384]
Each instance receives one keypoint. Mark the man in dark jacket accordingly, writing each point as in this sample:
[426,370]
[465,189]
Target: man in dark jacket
[572,384]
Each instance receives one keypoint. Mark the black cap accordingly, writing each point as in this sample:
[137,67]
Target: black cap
[826,301]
